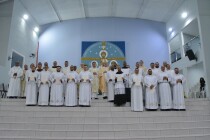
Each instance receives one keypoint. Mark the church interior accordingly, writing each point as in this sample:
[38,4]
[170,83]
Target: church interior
[90,37]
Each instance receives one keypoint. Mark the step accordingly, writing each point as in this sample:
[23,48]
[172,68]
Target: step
[148,118]
[106,122]
[91,129]
[151,134]
[98,109]
[102,114]
[192,137]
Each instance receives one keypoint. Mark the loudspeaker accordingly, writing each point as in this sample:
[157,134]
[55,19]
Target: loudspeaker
[191,55]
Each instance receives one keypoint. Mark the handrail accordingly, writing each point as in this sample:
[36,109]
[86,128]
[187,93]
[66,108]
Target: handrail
[192,40]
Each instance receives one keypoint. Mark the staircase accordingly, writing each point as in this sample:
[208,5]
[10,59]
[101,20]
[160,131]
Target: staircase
[102,121]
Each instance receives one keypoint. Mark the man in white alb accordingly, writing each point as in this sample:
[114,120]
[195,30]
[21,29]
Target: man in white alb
[110,83]
[178,90]
[85,87]
[150,81]
[31,86]
[44,86]
[136,80]
[164,90]
[15,74]
[54,67]
[72,78]
[66,68]
[56,93]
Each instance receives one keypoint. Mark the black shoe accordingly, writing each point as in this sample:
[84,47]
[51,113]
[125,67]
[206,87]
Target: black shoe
[151,109]
[105,97]
[96,98]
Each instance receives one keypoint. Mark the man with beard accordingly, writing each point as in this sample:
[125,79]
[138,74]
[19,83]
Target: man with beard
[31,86]
[44,87]
[72,78]
[15,74]
[56,94]
[85,87]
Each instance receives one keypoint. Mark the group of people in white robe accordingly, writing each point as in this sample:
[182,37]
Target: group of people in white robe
[150,89]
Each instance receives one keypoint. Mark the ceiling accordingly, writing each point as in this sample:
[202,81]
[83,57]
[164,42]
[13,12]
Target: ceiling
[6,8]
[48,11]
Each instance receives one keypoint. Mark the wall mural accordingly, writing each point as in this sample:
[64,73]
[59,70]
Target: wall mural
[103,51]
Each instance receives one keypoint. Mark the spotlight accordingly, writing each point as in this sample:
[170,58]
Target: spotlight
[25,16]
[36,29]
[173,33]
[187,22]
[34,34]
[184,15]
[170,29]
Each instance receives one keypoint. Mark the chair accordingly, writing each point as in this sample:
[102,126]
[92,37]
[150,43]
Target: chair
[202,93]
[3,91]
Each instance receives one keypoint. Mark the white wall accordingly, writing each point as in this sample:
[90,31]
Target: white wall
[5,22]
[6,9]
[204,28]
[192,70]
[194,74]
[21,39]
[144,39]
[4,38]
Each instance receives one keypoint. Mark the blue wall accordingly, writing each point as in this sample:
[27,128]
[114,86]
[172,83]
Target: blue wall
[144,39]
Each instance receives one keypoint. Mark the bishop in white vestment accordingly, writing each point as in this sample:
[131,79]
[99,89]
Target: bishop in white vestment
[85,87]
[56,93]
[150,81]
[23,82]
[71,88]
[164,90]
[95,83]
[15,74]
[31,86]
[136,80]
[44,87]
[178,90]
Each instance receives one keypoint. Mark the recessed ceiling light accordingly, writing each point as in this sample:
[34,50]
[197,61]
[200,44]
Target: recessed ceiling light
[170,29]
[25,16]
[36,29]
[184,14]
